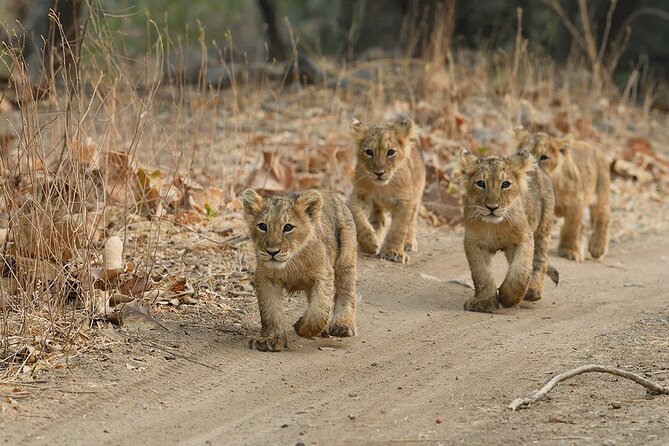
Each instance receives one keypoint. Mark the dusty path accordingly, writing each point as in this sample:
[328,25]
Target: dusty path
[422,370]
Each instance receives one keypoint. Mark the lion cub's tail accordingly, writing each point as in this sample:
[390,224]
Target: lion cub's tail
[553,274]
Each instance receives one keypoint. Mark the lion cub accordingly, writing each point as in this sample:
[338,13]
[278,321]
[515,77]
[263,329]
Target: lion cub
[389,177]
[581,177]
[508,207]
[304,241]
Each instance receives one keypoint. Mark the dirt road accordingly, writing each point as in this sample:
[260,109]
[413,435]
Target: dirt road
[422,371]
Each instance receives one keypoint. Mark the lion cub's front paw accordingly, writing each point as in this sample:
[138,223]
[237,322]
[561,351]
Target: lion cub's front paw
[532,295]
[394,255]
[481,305]
[571,254]
[275,343]
[411,245]
[309,330]
[342,329]
[597,249]
[379,224]
[369,244]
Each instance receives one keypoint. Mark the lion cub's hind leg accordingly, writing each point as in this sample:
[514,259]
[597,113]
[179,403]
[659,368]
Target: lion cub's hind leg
[316,316]
[410,244]
[599,238]
[535,289]
[600,218]
[366,233]
[542,235]
[570,243]
[514,287]
[378,219]
[343,321]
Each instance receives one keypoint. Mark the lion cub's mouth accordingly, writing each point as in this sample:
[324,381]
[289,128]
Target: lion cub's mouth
[492,218]
[275,263]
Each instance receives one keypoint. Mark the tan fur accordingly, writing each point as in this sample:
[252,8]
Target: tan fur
[514,217]
[581,178]
[389,178]
[318,255]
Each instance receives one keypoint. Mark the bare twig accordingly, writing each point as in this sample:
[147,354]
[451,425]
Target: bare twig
[557,8]
[463,283]
[520,403]
[231,241]
[181,356]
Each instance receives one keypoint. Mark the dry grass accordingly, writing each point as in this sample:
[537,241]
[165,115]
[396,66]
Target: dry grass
[130,148]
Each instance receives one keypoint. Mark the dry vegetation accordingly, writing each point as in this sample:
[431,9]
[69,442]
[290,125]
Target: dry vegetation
[118,201]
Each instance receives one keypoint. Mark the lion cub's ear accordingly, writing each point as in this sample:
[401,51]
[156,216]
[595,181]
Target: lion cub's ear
[565,143]
[521,161]
[358,130]
[252,203]
[467,161]
[520,133]
[311,202]
[405,128]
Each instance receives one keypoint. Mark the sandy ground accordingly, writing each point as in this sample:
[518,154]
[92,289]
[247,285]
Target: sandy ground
[421,371]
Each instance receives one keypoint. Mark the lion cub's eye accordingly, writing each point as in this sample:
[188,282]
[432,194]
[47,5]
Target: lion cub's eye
[543,157]
[391,152]
[369,152]
[288,227]
[481,184]
[262,227]
[506,185]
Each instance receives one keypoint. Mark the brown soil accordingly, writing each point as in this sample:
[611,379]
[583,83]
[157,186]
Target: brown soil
[421,371]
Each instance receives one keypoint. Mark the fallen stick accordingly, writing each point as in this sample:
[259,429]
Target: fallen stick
[655,388]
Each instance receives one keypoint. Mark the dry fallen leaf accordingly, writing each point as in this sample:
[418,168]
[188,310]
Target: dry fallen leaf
[138,316]
[209,199]
[444,203]
[6,142]
[135,286]
[273,176]
[188,217]
[146,194]
[83,152]
[628,170]
[118,298]
[120,183]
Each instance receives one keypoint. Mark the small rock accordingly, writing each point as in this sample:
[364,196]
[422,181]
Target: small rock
[616,405]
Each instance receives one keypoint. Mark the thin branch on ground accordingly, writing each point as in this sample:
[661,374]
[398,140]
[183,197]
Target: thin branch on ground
[653,387]
[181,356]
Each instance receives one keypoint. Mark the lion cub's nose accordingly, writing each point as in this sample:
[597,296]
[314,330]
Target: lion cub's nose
[492,207]
[273,252]
[379,174]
